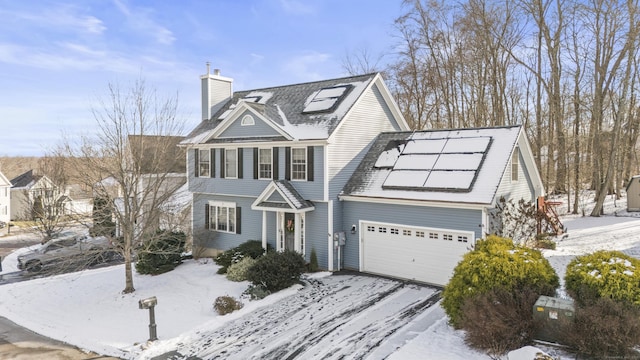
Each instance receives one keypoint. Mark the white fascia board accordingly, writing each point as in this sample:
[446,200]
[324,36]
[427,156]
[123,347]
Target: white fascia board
[527,155]
[439,204]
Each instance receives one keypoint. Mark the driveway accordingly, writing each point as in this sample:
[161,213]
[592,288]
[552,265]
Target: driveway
[335,317]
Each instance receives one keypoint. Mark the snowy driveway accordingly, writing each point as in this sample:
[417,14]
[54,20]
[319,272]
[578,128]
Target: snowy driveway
[335,317]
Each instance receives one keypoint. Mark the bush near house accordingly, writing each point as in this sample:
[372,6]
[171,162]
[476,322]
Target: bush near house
[238,271]
[496,263]
[604,274]
[226,304]
[277,270]
[161,252]
[251,248]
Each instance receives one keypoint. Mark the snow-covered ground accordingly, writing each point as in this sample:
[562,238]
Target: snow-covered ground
[335,316]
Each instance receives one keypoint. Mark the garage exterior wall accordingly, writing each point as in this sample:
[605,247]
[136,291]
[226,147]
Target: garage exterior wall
[429,217]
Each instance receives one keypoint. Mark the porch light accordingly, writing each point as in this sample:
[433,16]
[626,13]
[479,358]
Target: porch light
[353,228]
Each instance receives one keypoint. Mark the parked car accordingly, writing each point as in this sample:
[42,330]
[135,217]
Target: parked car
[67,252]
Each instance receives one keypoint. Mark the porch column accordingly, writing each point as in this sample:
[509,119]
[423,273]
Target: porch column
[264,229]
[296,232]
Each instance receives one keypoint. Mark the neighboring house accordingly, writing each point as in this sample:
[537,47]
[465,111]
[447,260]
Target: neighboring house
[418,200]
[5,199]
[28,189]
[330,166]
[633,194]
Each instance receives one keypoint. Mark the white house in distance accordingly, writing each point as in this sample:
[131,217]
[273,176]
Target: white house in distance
[26,188]
[5,199]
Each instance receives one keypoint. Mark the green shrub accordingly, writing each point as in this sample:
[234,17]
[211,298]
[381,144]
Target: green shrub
[226,304]
[604,274]
[256,292]
[605,329]
[496,263]
[238,271]
[277,270]
[313,261]
[251,248]
[161,252]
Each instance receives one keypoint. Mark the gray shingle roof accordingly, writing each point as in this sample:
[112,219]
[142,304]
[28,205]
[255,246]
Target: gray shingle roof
[289,102]
[24,179]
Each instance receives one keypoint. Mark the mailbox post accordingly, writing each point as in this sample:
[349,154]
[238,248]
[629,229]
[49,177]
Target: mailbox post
[150,303]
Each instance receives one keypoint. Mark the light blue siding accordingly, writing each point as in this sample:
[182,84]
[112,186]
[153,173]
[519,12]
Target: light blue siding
[430,217]
[316,234]
[259,129]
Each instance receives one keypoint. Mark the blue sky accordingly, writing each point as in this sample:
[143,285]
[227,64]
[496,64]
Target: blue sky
[57,57]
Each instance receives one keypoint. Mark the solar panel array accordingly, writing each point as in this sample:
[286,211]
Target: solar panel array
[444,164]
[327,99]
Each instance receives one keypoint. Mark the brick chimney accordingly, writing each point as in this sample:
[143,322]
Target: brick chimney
[216,90]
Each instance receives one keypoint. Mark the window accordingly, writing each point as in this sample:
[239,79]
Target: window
[462,238]
[327,99]
[515,158]
[247,120]
[371,228]
[420,234]
[231,163]
[447,237]
[204,163]
[382,229]
[298,164]
[433,235]
[394,231]
[406,232]
[265,162]
[222,217]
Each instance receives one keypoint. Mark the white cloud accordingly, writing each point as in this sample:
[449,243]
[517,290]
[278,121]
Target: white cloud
[61,18]
[305,67]
[140,19]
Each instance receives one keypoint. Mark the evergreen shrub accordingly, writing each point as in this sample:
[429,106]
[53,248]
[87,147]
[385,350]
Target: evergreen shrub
[277,270]
[251,248]
[161,252]
[238,271]
[496,263]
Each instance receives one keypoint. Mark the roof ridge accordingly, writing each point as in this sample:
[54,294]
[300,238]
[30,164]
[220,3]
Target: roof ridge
[310,82]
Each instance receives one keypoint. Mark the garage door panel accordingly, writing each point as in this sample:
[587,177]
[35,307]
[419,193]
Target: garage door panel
[410,253]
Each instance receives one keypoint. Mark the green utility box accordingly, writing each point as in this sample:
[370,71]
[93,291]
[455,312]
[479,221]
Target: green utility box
[553,313]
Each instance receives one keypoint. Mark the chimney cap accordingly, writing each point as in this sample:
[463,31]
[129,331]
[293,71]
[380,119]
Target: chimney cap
[216,72]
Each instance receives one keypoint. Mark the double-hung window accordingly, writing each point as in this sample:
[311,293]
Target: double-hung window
[231,163]
[222,217]
[265,162]
[204,163]
[299,164]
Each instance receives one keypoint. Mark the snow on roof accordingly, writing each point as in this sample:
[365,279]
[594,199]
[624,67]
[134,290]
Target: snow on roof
[285,107]
[463,165]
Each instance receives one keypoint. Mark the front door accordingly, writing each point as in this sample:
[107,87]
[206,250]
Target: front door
[289,231]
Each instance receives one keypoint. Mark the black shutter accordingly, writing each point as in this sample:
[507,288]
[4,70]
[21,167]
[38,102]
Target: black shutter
[287,163]
[196,168]
[206,216]
[240,163]
[255,163]
[238,220]
[212,162]
[222,174]
[276,164]
[310,163]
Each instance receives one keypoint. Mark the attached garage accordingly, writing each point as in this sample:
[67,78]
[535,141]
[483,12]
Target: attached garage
[426,255]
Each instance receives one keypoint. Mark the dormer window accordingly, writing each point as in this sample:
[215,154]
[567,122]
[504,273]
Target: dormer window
[247,120]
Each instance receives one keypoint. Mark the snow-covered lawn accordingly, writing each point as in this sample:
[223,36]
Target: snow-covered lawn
[333,316]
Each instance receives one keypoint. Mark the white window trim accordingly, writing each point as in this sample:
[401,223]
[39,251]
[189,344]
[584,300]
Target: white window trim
[247,120]
[516,156]
[226,158]
[260,177]
[208,152]
[306,164]
[213,215]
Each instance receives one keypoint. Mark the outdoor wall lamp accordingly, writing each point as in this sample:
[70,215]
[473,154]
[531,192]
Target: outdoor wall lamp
[150,303]
[353,228]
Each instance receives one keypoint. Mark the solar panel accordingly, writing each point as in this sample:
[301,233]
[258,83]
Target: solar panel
[444,164]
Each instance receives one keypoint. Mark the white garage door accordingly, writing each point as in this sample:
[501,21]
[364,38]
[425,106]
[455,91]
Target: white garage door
[422,254]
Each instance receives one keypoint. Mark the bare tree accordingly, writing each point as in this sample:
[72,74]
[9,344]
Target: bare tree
[131,161]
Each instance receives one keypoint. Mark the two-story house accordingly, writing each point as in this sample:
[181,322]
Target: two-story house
[331,166]
[30,191]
